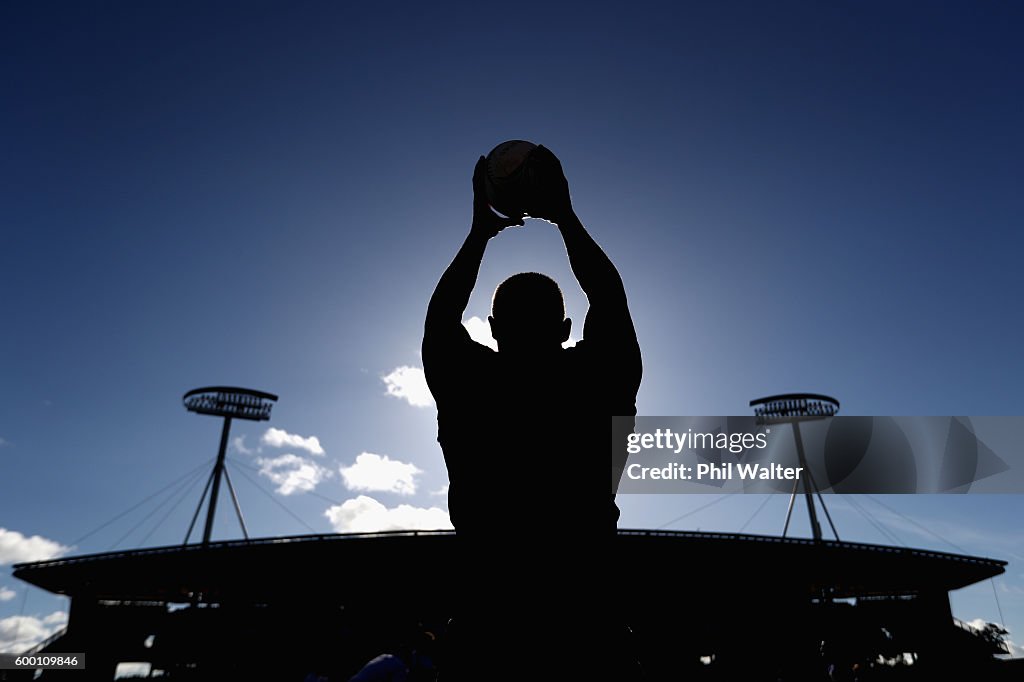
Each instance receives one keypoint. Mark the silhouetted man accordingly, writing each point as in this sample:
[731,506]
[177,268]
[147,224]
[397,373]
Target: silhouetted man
[526,434]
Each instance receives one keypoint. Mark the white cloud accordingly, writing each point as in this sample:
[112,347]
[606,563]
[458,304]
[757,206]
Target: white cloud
[380,473]
[410,384]
[6,593]
[20,633]
[132,669]
[364,514]
[238,442]
[278,438]
[480,331]
[15,548]
[443,490]
[56,618]
[292,473]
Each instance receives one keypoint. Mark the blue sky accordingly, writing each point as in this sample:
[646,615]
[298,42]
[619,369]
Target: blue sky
[799,197]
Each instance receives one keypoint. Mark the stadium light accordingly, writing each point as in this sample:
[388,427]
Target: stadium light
[229,402]
[794,408]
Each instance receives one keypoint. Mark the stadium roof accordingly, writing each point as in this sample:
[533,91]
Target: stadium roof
[349,568]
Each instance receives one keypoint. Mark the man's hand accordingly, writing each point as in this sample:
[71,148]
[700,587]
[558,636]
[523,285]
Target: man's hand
[485,220]
[551,201]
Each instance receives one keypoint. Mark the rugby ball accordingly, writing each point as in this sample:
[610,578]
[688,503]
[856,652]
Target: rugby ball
[508,178]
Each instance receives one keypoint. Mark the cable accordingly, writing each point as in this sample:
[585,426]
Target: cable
[199,507]
[183,485]
[690,513]
[758,511]
[244,464]
[150,514]
[322,497]
[139,504]
[924,528]
[999,607]
[887,534]
[312,493]
[174,506]
[276,501]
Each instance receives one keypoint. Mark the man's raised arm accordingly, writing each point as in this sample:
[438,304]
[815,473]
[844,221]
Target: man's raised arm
[608,320]
[608,317]
[451,295]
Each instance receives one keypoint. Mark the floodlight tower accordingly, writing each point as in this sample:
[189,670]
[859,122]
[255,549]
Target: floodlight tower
[229,402]
[794,408]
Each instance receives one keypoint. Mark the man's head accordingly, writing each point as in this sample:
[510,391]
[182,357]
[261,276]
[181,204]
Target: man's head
[528,314]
